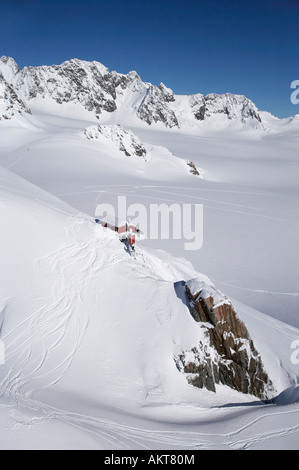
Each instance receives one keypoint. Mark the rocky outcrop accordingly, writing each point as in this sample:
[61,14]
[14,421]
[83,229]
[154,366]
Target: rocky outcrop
[167,93]
[121,139]
[193,169]
[229,356]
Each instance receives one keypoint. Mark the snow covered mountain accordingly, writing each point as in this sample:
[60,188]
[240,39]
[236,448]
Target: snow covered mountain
[108,350]
[103,93]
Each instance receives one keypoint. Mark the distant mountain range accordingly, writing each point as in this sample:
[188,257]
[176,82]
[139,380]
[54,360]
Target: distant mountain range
[108,95]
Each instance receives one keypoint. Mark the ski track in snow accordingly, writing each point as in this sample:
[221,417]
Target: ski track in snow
[24,154]
[197,198]
[129,190]
[42,348]
[259,291]
[60,320]
[125,437]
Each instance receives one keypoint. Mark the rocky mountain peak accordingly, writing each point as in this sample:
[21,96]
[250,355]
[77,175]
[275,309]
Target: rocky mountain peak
[100,91]
[168,94]
[132,75]
[8,68]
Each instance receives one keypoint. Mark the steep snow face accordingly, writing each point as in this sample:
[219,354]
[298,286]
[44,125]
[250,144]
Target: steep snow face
[122,139]
[82,317]
[89,298]
[105,93]
[10,103]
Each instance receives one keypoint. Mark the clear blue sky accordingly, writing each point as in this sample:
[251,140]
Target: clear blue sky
[248,47]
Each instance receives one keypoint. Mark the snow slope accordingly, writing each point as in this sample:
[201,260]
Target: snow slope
[90,332]
[249,191]
[90,335]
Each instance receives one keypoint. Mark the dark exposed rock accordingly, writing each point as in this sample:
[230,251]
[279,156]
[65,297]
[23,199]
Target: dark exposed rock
[200,114]
[193,168]
[154,109]
[232,359]
[167,93]
[122,139]
[109,106]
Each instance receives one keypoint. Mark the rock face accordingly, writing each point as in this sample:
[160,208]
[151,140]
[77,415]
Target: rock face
[122,139]
[100,91]
[10,103]
[229,356]
[193,168]
[154,107]
[88,83]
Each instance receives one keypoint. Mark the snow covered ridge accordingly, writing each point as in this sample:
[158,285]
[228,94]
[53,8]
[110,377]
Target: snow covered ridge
[102,92]
[124,140]
[226,353]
